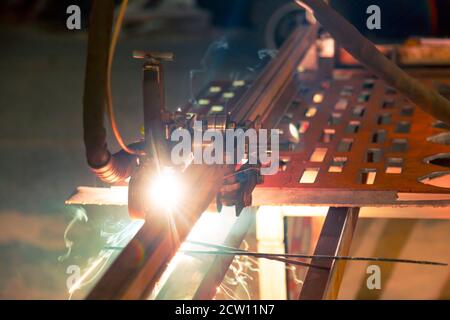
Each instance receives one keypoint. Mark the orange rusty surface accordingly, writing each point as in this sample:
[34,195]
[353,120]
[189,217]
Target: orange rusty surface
[383,101]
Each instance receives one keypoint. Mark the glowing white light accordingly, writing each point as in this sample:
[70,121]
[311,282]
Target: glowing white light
[228,95]
[318,97]
[293,130]
[238,83]
[166,189]
[215,89]
[216,108]
[203,102]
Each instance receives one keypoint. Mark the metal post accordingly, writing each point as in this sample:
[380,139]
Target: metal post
[335,239]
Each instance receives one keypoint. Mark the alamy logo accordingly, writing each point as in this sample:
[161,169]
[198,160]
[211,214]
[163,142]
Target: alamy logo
[74,272]
[374,20]
[374,280]
[73,22]
[207,147]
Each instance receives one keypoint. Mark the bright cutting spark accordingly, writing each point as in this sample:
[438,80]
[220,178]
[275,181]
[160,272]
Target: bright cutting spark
[166,189]
[240,268]
[293,130]
[228,292]
[293,270]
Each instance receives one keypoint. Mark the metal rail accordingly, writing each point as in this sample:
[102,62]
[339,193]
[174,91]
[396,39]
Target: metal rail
[276,80]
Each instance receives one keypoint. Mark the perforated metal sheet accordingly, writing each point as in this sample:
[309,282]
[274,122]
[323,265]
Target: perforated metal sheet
[363,144]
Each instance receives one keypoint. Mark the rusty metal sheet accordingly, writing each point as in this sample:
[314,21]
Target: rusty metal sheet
[361,143]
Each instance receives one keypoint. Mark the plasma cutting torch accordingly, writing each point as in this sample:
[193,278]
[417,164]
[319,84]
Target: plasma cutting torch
[141,161]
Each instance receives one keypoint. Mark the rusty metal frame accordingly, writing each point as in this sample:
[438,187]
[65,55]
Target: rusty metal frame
[132,275]
[137,269]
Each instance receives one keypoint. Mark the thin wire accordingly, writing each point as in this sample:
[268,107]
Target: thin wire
[235,251]
[321,257]
[255,254]
[109,102]
[277,258]
[230,249]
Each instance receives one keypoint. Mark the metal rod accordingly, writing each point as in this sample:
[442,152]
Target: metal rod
[238,252]
[274,257]
[154,105]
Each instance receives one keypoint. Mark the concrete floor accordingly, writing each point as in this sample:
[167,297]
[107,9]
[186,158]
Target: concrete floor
[42,158]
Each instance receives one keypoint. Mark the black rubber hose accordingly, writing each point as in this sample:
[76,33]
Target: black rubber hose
[108,168]
[99,38]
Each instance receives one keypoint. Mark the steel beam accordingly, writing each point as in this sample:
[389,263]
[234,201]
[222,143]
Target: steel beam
[294,206]
[335,239]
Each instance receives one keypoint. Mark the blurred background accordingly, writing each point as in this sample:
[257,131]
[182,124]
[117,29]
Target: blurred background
[42,153]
